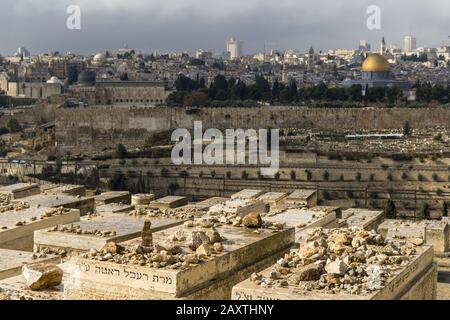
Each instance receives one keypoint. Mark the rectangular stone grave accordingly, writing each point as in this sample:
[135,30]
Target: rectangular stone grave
[113,208]
[20,236]
[67,189]
[169,202]
[125,228]
[247,194]
[433,232]
[12,261]
[113,197]
[303,197]
[416,280]
[272,198]
[20,190]
[208,203]
[238,206]
[363,218]
[84,204]
[302,219]
[208,279]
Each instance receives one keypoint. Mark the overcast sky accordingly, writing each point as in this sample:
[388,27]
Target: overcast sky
[175,25]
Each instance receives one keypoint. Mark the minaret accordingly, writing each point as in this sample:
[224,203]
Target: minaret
[383,47]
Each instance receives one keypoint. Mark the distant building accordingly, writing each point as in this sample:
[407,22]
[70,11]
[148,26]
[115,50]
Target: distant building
[364,46]
[22,52]
[376,72]
[139,93]
[234,48]
[410,44]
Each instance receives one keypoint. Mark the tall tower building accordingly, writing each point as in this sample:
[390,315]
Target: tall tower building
[383,47]
[234,48]
[410,44]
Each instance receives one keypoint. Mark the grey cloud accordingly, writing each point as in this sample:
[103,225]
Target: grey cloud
[170,25]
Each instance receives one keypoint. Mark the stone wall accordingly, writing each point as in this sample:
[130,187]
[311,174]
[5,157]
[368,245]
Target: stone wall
[100,127]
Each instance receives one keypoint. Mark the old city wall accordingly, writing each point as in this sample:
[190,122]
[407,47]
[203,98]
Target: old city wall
[95,128]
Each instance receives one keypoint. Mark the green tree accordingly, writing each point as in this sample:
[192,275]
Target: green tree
[14,126]
[118,182]
[406,128]
[444,209]
[390,211]
[121,151]
[424,212]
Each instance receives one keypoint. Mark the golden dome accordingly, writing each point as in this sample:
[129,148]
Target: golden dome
[375,63]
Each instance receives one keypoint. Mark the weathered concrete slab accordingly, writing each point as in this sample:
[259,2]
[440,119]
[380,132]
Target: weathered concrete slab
[242,249]
[302,219]
[113,208]
[84,204]
[238,206]
[169,202]
[208,203]
[247,194]
[432,232]
[120,228]
[20,190]
[17,228]
[415,280]
[142,199]
[272,198]
[303,197]
[66,189]
[363,218]
[12,261]
[113,197]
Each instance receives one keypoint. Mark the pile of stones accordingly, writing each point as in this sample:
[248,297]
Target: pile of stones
[7,205]
[178,213]
[76,229]
[251,220]
[180,251]
[350,261]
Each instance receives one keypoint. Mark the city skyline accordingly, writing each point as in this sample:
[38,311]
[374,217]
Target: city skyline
[175,25]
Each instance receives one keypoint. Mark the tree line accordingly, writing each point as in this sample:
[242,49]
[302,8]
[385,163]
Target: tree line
[196,93]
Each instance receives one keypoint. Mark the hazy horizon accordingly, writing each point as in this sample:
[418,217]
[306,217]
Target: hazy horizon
[188,25]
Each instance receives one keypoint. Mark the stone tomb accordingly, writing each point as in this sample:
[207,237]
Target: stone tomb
[169,202]
[272,198]
[244,252]
[415,281]
[142,199]
[120,228]
[247,194]
[238,206]
[11,261]
[17,227]
[435,233]
[113,197]
[84,204]
[66,189]
[208,203]
[303,197]
[113,208]
[20,190]
[302,219]
[363,218]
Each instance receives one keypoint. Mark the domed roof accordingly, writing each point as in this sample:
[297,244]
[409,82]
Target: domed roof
[54,80]
[87,77]
[99,58]
[375,63]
